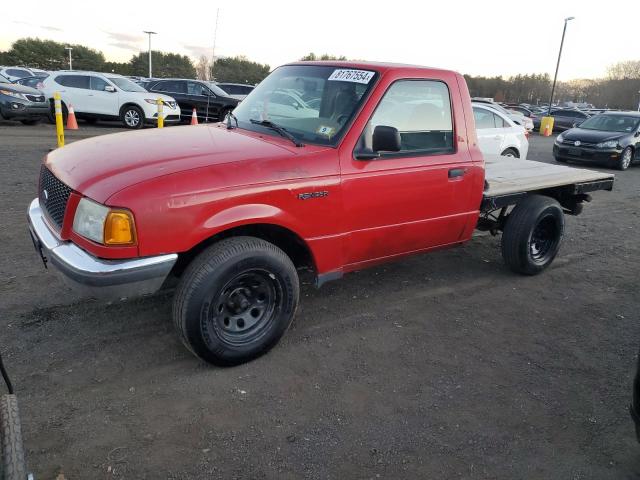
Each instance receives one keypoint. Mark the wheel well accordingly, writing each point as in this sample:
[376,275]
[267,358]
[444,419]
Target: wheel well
[130,104]
[289,242]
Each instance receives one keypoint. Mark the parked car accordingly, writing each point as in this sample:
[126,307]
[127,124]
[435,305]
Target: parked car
[107,96]
[18,102]
[211,103]
[611,138]
[15,73]
[388,168]
[236,90]
[517,117]
[36,81]
[564,119]
[498,134]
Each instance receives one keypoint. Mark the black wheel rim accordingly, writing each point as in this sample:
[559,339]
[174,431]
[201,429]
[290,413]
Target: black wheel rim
[544,239]
[246,306]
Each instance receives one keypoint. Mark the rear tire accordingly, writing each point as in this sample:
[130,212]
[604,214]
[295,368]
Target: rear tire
[510,152]
[132,117]
[12,464]
[533,234]
[236,300]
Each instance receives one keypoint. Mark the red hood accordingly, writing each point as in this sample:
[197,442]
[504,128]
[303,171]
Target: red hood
[101,166]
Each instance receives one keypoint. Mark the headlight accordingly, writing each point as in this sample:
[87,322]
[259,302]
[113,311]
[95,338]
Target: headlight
[609,144]
[104,225]
[559,138]
[154,101]
[13,94]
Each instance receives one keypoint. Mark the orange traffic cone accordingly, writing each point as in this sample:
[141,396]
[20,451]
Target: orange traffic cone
[194,117]
[72,124]
[547,130]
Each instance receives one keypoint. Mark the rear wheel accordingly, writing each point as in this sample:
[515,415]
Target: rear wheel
[12,464]
[533,234]
[132,117]
[625,159]
[236,300]
[510,152]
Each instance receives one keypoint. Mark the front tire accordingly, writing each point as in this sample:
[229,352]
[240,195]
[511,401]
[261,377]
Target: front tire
[12,463]
[533,234]
[626,157]
[132,117]
[236,300]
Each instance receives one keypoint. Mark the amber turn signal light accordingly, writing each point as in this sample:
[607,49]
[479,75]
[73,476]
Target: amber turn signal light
[119,228]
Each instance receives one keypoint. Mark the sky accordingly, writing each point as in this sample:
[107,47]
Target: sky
[483,37]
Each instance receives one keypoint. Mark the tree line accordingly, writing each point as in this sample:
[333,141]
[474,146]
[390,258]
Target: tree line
[619,89]
[50,55]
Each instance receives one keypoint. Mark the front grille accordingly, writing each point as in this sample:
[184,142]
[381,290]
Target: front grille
[54,196]
[582,144]
[35,98]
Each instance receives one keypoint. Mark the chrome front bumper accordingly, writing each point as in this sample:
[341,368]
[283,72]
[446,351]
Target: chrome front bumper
[94,276]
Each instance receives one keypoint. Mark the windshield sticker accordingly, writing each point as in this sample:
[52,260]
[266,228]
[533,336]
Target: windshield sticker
[325,131]
[356,76]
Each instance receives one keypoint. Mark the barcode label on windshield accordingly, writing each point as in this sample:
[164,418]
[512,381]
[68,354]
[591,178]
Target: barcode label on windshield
[357,76]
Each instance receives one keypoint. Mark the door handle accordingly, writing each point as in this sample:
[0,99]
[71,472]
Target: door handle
[457,172]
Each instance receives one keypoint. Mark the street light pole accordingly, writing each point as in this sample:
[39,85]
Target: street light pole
[70,61]
[150,33]
[555,77]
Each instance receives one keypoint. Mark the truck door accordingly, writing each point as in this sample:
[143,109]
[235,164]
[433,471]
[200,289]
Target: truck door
[417,198]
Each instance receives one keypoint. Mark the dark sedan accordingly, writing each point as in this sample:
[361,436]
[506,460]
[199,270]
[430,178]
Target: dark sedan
[18,102]
[211,102]
[610,138]
[563,118]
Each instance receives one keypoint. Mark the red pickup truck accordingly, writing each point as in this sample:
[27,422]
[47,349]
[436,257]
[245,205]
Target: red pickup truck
[332,166]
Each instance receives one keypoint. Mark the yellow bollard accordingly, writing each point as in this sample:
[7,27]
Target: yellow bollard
[59,123]
[160,115]
[546,126]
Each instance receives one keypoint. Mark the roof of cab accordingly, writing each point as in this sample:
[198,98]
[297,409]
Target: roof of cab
[381,67]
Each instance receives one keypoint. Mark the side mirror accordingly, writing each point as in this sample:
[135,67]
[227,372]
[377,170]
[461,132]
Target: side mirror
[384,139]
[109,88]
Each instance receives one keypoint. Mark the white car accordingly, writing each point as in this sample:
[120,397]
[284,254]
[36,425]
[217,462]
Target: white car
[498,134]
[108,96]
[16,73]
[515,116]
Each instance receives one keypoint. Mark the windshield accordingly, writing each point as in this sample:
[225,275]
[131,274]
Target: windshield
[126,84]
[313,103]
[611,123]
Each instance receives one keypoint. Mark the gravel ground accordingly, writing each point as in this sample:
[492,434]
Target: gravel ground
[440,366]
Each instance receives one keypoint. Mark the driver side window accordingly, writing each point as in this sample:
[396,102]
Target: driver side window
[421,112]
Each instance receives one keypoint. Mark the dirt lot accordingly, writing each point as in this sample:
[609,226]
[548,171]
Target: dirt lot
[441,366]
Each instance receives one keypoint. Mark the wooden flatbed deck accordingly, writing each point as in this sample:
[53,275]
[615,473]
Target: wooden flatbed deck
[506,176]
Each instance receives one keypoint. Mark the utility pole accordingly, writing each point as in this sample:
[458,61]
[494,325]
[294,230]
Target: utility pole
[555,77]
[213,52]
[70,61]
[150,68]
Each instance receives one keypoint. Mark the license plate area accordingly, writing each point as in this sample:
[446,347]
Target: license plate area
[576,152]
[38,246]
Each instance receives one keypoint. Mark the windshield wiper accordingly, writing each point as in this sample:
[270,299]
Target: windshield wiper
[279,129]
[230,115]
